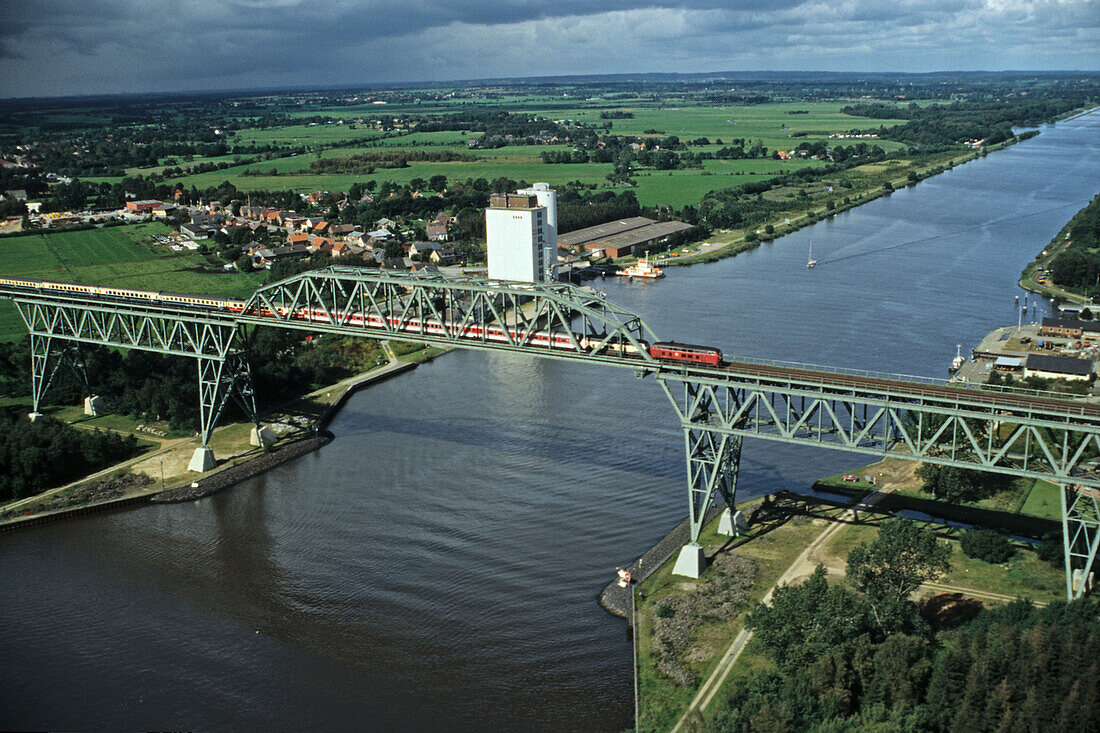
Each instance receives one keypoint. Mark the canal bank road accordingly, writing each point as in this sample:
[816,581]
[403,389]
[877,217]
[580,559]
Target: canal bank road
[435,566]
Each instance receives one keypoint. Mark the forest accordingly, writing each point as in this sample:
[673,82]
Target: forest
[48,452]
[1078,265]
[862,657]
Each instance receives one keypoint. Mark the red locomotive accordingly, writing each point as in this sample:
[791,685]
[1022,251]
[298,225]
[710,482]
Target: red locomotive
[672,351]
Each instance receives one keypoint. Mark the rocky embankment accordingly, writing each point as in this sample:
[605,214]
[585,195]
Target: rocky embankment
[208,485]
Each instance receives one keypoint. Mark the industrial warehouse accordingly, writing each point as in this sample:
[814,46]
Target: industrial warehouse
[619,238]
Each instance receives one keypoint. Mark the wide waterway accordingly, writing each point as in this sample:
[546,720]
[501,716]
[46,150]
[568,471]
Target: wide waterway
[436,566]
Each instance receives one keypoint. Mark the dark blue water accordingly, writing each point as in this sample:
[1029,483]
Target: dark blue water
[436,566]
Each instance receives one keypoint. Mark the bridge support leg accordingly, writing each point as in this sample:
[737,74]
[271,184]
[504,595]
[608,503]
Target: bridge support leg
[220,379]
[1080,536]
[47,356]
[713,460]
[45,360]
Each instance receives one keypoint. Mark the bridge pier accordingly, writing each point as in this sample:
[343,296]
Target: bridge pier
[46,358]
[1080,536]
[713,459]
[221,378]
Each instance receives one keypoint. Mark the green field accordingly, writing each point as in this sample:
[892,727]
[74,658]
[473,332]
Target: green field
[116,255]
[303,134]
[770,123]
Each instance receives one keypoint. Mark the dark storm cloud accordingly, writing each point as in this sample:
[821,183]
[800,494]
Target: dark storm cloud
[70,46]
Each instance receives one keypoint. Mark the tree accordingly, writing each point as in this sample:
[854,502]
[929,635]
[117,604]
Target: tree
[807,621]
[893,565]
[949,483]
[985,544]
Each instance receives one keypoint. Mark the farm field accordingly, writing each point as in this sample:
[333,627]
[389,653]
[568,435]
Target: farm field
[773,124]
[116,255]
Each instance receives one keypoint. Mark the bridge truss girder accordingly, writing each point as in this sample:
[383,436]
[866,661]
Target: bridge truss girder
[1022,442]
[214,341]
[450,310]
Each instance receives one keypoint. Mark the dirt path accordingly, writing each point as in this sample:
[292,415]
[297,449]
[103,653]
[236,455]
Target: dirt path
[801,568]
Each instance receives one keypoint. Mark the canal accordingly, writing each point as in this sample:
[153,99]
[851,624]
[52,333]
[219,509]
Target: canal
[436,566]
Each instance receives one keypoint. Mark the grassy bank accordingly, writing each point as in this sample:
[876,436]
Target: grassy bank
[777,535]
[828,199]
[773,541]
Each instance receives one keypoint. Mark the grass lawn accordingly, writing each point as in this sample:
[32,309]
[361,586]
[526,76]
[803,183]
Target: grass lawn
[1043,501]
[120,255]
[769,123]
[1023,576]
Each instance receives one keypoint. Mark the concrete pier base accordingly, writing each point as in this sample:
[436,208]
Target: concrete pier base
[691,561]
[1079,579]
[261,436]
[732,524]
[93,405]
[34,415]
[202,460]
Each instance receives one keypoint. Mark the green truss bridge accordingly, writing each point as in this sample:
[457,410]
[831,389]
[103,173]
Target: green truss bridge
[1012,432]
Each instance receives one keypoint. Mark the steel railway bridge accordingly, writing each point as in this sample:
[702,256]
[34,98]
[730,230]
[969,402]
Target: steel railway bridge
[1017,433]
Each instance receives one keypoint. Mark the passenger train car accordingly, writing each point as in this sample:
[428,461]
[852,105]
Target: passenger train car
[138,296]
[668,351]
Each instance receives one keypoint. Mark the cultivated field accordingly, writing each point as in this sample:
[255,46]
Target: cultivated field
[117,255]
[779,126]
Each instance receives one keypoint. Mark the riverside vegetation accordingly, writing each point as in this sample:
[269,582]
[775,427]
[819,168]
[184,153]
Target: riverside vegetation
[827,657]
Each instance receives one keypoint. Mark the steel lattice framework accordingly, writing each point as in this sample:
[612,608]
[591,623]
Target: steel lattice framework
[58,322]
[456,311]
[1031,435]
[1012,433]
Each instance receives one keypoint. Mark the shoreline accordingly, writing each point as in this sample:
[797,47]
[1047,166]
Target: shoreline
[229,474]
[617,600]
[740,244]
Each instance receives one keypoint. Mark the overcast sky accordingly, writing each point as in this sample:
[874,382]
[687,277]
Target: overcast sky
[52,47]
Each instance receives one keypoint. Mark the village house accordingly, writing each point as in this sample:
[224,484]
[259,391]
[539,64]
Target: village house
[195,232]
[438,230]
[267,257]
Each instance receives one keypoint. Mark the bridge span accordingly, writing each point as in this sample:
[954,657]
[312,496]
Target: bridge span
[1013,432]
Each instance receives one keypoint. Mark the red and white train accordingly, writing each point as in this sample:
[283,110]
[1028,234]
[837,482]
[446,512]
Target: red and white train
[668,351]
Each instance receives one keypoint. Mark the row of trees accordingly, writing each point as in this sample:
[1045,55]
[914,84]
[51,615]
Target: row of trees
[154,387]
